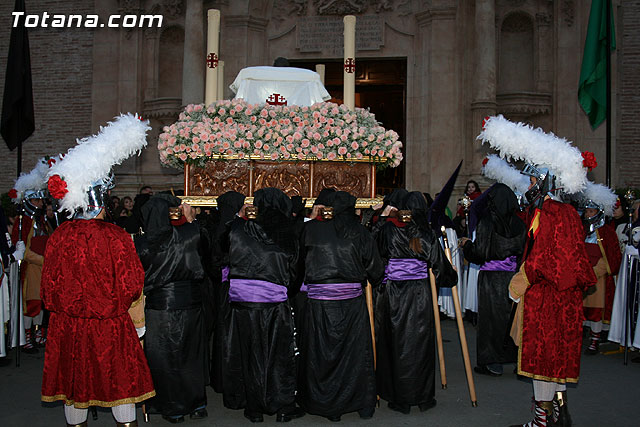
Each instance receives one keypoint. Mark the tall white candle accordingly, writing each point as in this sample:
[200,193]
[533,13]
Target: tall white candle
[320,71]
[221,80]
[350,61]
[213,56]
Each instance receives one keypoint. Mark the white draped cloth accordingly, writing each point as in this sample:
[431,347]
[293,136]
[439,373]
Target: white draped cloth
[620,316]
[445,295]
[11,309]
[296,85]
[471,273]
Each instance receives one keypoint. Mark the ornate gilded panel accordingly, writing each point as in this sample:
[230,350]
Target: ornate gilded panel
[217,178]
[354,178]
[292,178]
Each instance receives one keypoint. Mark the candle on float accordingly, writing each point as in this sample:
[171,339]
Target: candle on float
[349,93]
[213,56]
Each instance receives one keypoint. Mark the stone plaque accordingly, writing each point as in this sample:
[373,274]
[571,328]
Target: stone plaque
[325,34]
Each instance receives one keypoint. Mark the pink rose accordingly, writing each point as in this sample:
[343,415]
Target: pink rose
[265,147]
[274,156]
[258,144]
[305,143]
[314,149]
[222,111]
[319,154]
[331,156]
[342,151]
[183,157]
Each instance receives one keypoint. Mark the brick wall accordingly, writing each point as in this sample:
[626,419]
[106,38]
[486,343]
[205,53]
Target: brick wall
[628,149]
[61,67]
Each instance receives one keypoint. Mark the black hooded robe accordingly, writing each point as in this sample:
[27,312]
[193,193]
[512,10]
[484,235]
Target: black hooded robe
[405,332]
[175,341]
[260,340]
[229,204]
[500,234]
[336,373]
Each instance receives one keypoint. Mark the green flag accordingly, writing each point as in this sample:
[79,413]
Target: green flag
[592,90]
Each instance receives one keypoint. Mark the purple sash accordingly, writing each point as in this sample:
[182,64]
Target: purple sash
[507,264]
[248,290]
[225,273]
[304,287]
[406,269]
[334,291]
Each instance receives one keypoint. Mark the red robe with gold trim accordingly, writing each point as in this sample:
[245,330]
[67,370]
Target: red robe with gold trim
[90,278]
[558,271]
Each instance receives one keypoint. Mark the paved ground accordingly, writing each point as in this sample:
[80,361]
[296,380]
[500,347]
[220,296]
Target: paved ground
[607,395]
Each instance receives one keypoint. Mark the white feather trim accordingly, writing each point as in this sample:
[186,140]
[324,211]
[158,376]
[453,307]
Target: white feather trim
[601,195]
[500,170]
[34,180]
[520,141]
[94,156]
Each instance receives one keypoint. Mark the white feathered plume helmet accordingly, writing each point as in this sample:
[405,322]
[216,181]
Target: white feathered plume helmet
[597,195]
[500,170]
[34,181]
[89,163]
[519,141]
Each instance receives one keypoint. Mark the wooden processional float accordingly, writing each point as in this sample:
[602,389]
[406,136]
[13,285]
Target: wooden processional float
[277,132]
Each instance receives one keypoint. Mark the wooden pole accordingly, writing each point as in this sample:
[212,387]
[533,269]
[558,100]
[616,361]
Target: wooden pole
[461,332]
[368,291]
[436,316]
[349,90]
[213,56]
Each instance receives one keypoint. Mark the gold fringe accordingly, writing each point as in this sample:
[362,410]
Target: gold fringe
[101,403]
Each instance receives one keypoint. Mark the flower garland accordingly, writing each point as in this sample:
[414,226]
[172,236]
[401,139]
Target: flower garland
[244,131]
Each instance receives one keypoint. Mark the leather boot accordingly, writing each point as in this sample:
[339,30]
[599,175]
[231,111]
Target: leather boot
[133,423]
[561,410]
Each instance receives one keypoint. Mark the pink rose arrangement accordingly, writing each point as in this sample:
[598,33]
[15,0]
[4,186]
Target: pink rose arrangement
[239,130]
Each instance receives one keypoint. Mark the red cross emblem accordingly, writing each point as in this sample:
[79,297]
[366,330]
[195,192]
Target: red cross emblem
[276,99]
[349,65]
[212,60]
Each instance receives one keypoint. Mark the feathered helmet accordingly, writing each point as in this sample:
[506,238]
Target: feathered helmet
[599,197]
[29,186]
[497,169]
[82,179]
[553,161]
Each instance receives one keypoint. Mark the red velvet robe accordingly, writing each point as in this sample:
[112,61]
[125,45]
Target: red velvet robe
[558,271]
[90,278]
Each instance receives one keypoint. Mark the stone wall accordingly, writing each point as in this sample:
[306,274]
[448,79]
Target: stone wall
[61,67]
[628,147]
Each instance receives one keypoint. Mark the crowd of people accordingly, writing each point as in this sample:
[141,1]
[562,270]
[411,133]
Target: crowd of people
[289,310]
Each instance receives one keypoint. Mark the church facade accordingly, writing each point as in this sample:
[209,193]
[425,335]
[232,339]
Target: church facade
[430,69]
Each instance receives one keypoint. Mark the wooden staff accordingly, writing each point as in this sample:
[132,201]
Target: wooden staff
[436,315]
[461,332]
[368,293]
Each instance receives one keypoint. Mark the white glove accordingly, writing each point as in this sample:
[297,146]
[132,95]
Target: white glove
[141,331]
[19,252]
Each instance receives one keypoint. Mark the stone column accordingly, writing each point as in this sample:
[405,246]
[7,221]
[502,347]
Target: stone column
[484,79]
[193,63]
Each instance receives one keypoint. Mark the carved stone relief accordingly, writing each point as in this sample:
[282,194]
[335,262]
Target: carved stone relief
[219,177]
[568,11]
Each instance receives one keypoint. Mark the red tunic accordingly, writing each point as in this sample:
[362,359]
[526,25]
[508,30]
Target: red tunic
[90,277]
[558,270]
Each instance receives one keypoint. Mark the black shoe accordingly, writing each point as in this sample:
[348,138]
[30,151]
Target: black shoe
[30,350]
[289,414]
[426,406]
[174,420]
[483,370]
[199,414]
[398,407]
[367,413]
[253,417]
[334,418]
